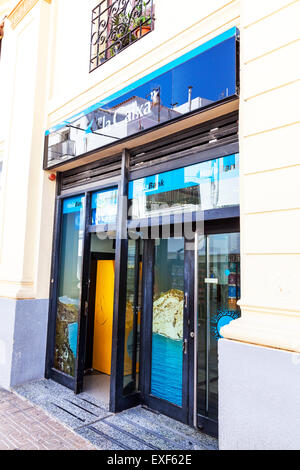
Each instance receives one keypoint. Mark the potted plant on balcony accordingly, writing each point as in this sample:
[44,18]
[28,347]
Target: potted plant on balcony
[127,26]
[142,19]
[121,32]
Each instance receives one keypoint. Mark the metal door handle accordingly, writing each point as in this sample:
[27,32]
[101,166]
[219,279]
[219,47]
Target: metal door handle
[185,300]
[184,346]
[86,308]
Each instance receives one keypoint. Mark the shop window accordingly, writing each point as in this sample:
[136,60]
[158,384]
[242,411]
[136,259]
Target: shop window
[68,302]
[105,206]
[204,186]
[116,25]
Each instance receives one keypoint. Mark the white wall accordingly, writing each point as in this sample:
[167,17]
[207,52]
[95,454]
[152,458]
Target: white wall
[26,229]
[270,174]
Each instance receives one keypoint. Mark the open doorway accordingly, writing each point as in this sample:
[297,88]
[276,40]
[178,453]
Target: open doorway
[100,318]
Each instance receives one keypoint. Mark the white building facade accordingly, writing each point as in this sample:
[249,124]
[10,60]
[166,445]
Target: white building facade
[191,108]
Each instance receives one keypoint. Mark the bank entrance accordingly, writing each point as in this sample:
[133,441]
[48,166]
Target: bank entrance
[146,271]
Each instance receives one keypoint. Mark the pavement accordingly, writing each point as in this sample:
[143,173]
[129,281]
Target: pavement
[25,427]
[82,422]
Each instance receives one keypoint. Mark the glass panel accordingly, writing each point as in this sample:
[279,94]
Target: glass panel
[105,206]
[99,244]
[207,185]
[167,323]
[69,284]
[202,326]
[204,76]
[219,291]
[133,315]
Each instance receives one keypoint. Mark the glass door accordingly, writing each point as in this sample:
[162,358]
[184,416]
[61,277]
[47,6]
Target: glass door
[65,307]
[218,273]
[167,320]
[166,307]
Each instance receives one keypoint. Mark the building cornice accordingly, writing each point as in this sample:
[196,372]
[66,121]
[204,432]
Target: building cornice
[20,11]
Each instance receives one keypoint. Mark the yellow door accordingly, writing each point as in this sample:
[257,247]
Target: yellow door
[104,305]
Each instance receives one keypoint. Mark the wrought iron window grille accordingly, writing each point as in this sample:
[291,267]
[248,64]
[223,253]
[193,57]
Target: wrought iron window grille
[116,24]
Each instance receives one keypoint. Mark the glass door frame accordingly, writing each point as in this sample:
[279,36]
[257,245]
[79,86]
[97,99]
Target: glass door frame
[118,401]
[74,383]
[203,423]
[189,412]
[155,403]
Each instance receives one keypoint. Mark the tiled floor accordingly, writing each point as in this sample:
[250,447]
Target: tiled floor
[98,385]
[25,427]
[137,428]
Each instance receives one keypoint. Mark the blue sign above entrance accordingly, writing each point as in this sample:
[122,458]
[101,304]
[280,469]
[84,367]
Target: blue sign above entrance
[196,80]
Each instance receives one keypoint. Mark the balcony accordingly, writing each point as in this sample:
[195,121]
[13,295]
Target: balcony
[116,24]
[61,151]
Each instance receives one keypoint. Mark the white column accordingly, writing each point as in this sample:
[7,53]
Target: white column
[27,201]
[270,175]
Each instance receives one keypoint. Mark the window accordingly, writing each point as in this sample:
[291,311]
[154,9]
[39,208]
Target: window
[68,300]
[116,25]
[204,186]
[105,206]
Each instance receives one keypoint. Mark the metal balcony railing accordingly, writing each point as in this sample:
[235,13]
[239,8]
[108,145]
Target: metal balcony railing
[116,24]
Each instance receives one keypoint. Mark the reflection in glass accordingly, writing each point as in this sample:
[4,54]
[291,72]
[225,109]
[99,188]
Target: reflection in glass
[69,285]
[207,185]
[167,323]
[205,76]
[133,315]
[105,206]
[218,293]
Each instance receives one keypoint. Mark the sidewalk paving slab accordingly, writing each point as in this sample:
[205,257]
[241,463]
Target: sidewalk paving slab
[134,429]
